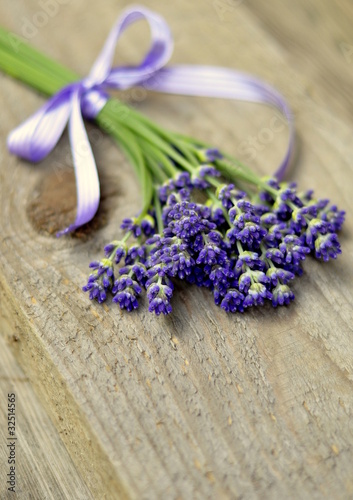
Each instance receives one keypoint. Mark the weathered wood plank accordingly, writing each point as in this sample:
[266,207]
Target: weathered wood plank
[319,43]
[43,467]
[199,404]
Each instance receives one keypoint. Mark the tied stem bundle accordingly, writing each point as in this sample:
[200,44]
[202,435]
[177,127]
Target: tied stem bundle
[206,218]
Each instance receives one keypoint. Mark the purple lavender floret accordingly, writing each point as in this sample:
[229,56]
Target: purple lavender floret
[233,301]
[126,300]
[228,195]
[183,180]
[159,299]
[217,215]
[95,289]
[199,277]
[246,224]
[220,275]
[165,190]
[264,195]
[118,247]
[126,290]
[174,254]
[100,280]
[268,219]
[119,254]
[327,247]
[183,195]
[135,253]
[294,249]
[248,259]
[274,255]
[251,234]
[102,267]
[278,275]
[125,281]
[256,295]
[174,186]
[131,224]
[282,295]
[188,219]
[135,271]
[148,225]
[281,207]
[140,272]
[277,232]
[208,154]
[110,247]
[333,216]
[251,276]
[301,216]
[138,227]
[213,154]
[211,252]
[199,178]
[159,294]
[314,229]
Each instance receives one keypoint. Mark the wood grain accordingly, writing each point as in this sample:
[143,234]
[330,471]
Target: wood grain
[43,467]
[198,404]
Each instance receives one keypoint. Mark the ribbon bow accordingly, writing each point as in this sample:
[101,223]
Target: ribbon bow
[38,135]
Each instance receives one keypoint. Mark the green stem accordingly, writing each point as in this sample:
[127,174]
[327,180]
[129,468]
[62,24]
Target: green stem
[156,161]
[239,247]
[129,128]
[119,243]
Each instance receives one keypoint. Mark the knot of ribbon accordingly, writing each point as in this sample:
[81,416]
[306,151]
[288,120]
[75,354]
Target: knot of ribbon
[35,138]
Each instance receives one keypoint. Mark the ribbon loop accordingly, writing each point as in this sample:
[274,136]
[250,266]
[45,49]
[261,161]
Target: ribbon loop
[158,55]
[38,135]
[35,138]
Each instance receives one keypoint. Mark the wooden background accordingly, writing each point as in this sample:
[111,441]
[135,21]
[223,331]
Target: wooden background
[198,404]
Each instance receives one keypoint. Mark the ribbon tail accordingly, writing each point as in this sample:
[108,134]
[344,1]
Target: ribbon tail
[87,182]
[35,138]
[224,83]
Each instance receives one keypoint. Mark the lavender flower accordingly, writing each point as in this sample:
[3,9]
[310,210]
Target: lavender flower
[256,295]
[212,252]
[247,259]
[132,224]
[250,277]
[278,275]
[188,219]
[159,291]
[333,216]
[315,228]
[246,252]
[118,247]
[233,301]
[282,295]
[174,254]
[199,180]
[228,195]
[100,280]
[126,290]
[327,246]
[209,155]
[294,250]
[96,290]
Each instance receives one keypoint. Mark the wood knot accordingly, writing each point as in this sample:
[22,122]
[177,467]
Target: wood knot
[53,204]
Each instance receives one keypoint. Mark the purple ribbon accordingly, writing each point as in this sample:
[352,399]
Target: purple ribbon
[38,135]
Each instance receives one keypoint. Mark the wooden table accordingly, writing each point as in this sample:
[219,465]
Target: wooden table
[198,404]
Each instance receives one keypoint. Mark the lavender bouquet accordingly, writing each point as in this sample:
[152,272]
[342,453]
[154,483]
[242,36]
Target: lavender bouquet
[206,218]
[243,241]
